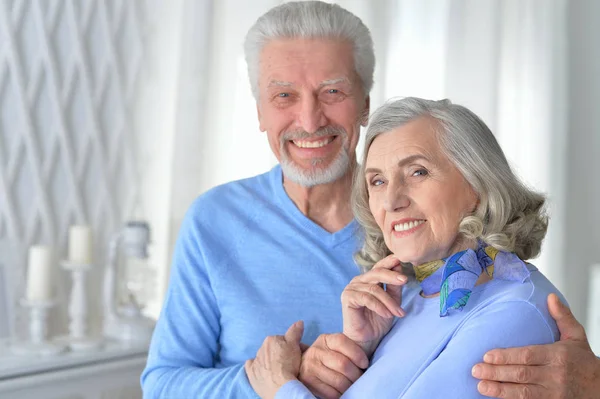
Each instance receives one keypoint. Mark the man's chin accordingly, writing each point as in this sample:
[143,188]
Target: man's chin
[310,177]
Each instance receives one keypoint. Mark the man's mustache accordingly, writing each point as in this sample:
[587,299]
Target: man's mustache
[322,132]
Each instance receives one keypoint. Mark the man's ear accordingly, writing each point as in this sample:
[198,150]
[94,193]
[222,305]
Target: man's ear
[364,120]
[260,125]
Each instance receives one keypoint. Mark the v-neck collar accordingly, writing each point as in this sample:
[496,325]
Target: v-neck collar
[292,210]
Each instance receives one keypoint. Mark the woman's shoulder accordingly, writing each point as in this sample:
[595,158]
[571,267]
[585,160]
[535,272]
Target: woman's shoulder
[506,296]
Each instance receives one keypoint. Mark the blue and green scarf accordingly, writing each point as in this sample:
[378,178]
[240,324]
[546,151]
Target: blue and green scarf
[455,276]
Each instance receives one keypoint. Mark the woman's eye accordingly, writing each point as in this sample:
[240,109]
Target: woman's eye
[420,172]
[377,182]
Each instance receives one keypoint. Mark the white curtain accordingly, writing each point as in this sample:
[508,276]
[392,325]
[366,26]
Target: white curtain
[505,59]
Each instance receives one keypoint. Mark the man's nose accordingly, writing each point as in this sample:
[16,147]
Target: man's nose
[311,117]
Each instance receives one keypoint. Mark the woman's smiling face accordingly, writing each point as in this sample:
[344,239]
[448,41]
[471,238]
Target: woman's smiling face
[416,194]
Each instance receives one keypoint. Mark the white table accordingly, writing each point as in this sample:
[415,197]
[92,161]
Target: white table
[111,372]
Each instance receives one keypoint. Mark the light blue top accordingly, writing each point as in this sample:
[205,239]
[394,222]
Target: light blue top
[247,264]
[428,356]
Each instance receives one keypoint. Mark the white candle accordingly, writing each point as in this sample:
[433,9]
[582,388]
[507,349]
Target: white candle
[80,245]
[40,274]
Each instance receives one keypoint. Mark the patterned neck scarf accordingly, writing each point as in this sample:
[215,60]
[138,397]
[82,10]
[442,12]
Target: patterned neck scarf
[455,276]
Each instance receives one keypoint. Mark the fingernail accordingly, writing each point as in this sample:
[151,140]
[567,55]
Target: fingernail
[402,279]
[476,371]
[401,312]
[488,358]
[482,387]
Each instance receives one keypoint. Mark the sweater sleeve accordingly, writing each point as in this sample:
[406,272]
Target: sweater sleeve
[181,358]
[502,325]
[294,390]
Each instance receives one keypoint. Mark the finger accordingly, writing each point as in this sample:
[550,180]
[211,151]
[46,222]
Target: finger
[395,291]
[294,333]
[532,355]
[341,364]
[344,345]
[517,374]
[336,381]
[509,390]
[381,276]
[388,262]
[374,298]
[569,327]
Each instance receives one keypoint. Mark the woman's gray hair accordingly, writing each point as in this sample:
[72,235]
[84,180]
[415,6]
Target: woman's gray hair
[509,216]
[311,19]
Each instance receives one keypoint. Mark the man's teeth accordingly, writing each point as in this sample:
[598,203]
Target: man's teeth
[313,144]
[408,226]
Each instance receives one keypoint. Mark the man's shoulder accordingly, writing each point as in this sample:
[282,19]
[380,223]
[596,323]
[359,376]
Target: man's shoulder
[235,195]
[240,191]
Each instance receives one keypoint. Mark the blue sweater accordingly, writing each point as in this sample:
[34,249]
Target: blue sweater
[247,264]
[428,356]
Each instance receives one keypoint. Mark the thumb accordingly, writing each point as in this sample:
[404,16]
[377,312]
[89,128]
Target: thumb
[294,333]
[569,327]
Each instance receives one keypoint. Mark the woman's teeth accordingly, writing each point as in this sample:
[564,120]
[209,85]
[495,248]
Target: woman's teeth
[408,225]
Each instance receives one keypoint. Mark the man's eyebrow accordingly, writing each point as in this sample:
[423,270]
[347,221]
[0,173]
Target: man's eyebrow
[279,83]
[334,81]
[328,82]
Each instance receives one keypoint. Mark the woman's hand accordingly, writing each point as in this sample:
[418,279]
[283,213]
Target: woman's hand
[276,363]
[368,309]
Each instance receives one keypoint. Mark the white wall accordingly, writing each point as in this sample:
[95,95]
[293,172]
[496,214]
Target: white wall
[87,122]
[582,234]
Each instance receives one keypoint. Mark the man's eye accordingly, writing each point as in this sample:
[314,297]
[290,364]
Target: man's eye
[333,91]
[283,95]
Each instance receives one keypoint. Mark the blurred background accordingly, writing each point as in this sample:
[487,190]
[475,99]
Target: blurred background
[113,110]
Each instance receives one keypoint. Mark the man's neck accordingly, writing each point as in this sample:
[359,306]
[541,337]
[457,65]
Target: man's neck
[328,205]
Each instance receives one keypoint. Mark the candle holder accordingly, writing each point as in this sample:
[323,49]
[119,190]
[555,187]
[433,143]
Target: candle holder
[38,343]
[78,339]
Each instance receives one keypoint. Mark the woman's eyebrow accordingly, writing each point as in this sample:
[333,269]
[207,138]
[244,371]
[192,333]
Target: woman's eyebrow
[402,162]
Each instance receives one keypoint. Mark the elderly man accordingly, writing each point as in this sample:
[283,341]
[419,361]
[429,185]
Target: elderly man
[254,256]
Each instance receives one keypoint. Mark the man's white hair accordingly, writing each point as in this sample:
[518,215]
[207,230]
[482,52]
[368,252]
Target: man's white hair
[311,19]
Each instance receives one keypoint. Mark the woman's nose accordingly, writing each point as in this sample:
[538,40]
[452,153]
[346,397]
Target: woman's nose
[396,198]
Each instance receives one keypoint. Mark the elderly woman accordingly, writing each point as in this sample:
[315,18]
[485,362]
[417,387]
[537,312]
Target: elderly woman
[434,194]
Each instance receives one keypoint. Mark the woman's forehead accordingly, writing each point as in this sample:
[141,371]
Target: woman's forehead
[417,137]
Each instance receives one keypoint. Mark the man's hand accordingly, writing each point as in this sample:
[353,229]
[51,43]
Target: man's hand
[566,369]
[277,362]
[331,364]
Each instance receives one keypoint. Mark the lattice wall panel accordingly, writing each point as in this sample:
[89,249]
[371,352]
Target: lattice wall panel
[68,72]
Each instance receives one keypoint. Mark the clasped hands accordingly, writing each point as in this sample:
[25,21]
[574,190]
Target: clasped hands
[334,361]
